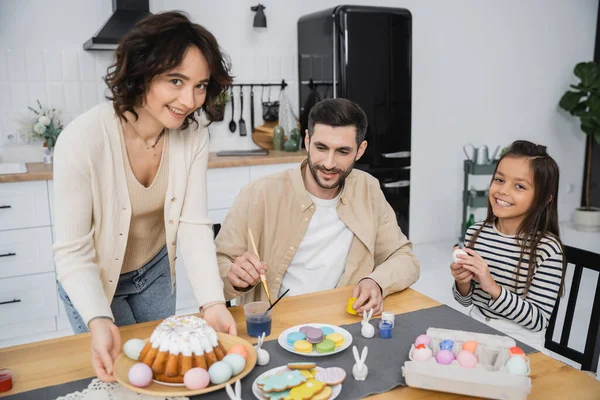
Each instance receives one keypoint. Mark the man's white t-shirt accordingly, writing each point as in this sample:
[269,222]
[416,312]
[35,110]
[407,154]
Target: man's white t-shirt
[320,259]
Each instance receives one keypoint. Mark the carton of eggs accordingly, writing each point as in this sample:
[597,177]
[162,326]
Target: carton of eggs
[468,363]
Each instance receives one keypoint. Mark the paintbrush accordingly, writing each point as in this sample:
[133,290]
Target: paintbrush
[276,301]
[263,278]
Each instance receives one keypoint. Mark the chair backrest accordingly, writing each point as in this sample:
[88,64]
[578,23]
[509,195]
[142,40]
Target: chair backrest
[581,259]
[216,229]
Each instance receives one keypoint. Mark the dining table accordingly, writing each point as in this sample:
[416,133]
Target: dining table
[66,359]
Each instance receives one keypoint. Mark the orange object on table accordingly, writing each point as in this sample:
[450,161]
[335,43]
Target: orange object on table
[5,380]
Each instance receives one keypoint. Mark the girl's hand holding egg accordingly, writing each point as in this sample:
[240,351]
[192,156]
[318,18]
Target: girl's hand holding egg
[480,270]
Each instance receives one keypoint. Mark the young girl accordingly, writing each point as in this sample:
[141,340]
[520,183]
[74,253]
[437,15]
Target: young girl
[130,187]
[514,270]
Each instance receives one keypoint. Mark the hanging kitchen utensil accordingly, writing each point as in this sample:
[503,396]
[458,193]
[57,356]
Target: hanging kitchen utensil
[270,108]
[232,125]
[252,108]
[242,122]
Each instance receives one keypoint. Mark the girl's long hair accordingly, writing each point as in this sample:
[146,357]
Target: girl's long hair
[542,218]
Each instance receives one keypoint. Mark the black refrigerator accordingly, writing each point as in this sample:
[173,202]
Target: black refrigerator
[364,54]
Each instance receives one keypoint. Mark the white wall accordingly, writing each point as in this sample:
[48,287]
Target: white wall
[483,72]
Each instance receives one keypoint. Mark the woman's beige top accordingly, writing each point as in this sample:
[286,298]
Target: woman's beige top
[92,209]
[147,228]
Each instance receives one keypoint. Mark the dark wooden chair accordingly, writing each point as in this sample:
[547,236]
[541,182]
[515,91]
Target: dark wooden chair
[581,259]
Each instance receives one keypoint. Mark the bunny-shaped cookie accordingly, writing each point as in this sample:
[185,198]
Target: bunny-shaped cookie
[367,330]
[262,356]
[360,369]
[238,391]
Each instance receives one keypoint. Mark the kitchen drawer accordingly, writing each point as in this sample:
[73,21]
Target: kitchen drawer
[224,184]
[24,205]
[26,330]
[36,296]
[26,252]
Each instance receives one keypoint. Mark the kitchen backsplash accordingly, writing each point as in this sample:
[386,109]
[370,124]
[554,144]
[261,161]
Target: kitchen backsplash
[70,80]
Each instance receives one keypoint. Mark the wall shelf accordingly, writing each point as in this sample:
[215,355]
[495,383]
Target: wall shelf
[477,198]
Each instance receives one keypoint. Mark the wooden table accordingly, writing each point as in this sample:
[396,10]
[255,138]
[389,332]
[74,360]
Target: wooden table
[67,359]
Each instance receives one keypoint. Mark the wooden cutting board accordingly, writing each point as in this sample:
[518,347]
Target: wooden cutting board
[263,135]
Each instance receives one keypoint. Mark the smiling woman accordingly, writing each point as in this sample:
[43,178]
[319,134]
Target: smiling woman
[130,187]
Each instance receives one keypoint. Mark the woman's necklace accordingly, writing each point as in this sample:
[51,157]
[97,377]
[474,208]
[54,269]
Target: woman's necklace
[153,146]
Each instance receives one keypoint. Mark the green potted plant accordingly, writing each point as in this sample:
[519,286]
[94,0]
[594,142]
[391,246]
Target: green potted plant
[220,104]
[584,102]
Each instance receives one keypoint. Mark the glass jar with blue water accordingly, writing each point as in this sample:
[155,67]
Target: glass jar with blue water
[258,319]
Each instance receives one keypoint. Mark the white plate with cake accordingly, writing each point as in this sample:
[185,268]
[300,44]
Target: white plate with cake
[178,344]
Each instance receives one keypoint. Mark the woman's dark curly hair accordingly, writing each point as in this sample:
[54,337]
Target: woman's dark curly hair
[157,44]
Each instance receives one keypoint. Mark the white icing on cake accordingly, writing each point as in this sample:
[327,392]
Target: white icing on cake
[184,334]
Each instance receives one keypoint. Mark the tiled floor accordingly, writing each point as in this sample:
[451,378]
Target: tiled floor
[436,282]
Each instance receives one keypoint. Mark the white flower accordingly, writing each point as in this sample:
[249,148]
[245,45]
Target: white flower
[39,128]
[44,120]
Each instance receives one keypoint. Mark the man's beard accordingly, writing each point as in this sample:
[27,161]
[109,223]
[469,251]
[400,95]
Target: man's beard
[342,174]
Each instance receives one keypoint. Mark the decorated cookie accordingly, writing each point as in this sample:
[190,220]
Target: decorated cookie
[324,394]
[306,390]
[277,395]
[327,330]
[313,335]
[337,338]
[281,382]
[326,346]
[301,365]
[331,376]
[306,373]
[293,337]
[302,346]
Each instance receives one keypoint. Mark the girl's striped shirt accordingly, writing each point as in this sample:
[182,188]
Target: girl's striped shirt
[501,252]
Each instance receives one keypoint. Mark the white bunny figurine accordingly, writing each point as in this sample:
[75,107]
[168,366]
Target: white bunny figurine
[238,391]
[262,356]
[367,330]
[360,369]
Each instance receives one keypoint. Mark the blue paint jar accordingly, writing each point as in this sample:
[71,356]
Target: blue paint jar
[385,329]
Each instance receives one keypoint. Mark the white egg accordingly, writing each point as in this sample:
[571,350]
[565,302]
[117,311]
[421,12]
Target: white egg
[236,361]
[517,365]
[456,252]
[220,372]
[133,348]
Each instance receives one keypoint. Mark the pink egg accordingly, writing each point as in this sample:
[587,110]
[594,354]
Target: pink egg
[466,359]
[444,357]
[196,378]
[140,375]
[426,340]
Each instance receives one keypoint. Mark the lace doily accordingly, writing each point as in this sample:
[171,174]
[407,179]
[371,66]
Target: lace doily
[98,390]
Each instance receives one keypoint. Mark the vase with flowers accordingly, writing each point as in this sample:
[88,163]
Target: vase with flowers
[44,126]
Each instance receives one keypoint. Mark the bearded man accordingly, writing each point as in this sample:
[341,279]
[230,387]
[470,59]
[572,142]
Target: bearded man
[319,226]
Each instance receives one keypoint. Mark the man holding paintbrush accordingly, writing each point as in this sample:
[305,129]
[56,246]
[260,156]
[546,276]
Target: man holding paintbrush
[318,226]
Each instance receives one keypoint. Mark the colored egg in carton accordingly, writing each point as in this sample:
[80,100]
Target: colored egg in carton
[468,363]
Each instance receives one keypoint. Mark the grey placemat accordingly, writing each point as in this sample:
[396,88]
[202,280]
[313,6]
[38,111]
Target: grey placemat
[385,360]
